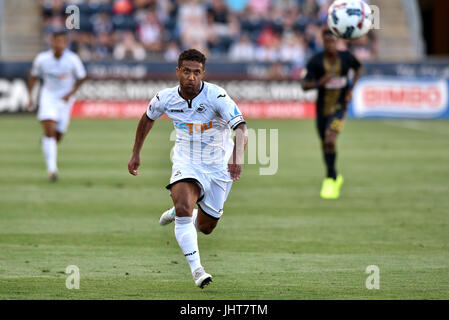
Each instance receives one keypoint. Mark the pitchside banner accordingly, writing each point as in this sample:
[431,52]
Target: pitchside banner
[256,99]
[397,97]
[123,90]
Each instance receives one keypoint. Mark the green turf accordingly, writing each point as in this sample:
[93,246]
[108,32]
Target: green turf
[276,240]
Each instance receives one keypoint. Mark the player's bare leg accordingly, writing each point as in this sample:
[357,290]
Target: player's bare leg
[185,196]
[59,136]
[204,223]
[49,148]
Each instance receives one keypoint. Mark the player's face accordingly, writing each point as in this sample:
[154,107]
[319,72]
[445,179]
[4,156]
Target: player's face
[190,75]
[330,44]
[58,44]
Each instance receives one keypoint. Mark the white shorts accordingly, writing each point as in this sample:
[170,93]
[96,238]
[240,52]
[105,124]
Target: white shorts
[56,109]
[214,187]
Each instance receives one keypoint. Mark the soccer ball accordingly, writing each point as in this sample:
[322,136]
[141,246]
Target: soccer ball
[349,19]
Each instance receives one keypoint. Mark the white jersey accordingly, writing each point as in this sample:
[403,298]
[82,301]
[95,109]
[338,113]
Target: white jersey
[59,75]
[203,135]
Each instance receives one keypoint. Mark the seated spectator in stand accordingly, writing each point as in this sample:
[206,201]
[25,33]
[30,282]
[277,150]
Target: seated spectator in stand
[101,23]
[260,6]
[128,48]
[243,49]
[293,49]
[102,47]
[193,27]
[150,32]
[122,7]
[219,11]
[172,52]
[85,46]
[364,48]
[237,6]
[268,46]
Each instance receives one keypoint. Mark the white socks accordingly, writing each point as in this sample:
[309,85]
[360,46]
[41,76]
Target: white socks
[186,236]
[50,149]
[194,214]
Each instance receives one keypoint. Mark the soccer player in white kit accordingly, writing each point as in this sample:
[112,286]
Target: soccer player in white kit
[62,73]
[205,159]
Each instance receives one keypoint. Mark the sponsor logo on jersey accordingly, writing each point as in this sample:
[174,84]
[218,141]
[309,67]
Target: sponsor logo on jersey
[176,110]
[194,127]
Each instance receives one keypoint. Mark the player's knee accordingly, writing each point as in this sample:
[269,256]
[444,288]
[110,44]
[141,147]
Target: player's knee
[206,228]
[59,136]
[183,209]
[329,145]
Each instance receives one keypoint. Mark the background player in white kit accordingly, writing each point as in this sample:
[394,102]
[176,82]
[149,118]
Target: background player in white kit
[205,159]
[62,73]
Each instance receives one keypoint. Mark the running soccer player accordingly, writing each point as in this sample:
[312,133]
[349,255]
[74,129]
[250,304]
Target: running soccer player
[62,73]
[205,160]
[328,72]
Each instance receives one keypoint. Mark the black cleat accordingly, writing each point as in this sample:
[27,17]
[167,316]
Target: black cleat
[205,282]
[53,177]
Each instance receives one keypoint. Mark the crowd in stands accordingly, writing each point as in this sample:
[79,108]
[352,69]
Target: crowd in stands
[233,30]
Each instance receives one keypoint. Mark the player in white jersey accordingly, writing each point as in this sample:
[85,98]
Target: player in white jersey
[205,159]
[62,73]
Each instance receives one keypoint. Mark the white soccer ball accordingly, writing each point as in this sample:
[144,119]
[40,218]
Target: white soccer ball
[349,19]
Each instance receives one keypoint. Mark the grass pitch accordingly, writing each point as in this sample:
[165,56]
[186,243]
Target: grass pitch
[276,240]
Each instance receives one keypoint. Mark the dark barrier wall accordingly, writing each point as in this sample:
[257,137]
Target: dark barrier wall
[229,71]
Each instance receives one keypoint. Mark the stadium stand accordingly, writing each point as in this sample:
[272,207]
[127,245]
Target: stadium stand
[228,30]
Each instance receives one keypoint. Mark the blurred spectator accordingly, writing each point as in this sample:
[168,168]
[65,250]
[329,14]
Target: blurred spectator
[237,5]
[102,48]
[150,32]
[293,49]
[260,6]
[172,52]
[193,25]
[122,7]
[129,48]
[243,49]
[364,48]
[101,23]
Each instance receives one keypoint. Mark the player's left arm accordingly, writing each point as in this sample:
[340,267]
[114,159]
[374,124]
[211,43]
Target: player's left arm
[354,64]
[75,88]
[240,141]
[80,74]
[229,111]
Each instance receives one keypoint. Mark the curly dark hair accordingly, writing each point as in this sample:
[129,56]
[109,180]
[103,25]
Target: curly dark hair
[327,32]
[191,55]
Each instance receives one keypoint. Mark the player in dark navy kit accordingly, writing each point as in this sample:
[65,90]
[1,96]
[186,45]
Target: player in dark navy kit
[328,72]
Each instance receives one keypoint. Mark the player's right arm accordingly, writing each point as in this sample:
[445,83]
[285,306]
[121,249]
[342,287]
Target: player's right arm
[144,126]
[313,78]
[154,111]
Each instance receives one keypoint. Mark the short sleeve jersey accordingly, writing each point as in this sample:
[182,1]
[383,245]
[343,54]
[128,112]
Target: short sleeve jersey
[59,75]
[334,92]
[203,135]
